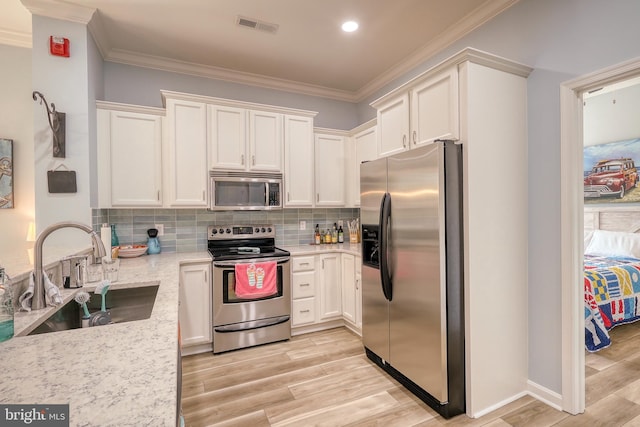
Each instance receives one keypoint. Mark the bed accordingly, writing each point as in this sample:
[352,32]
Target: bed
[611,284]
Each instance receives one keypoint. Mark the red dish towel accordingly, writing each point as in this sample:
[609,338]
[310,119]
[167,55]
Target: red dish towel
[256,280]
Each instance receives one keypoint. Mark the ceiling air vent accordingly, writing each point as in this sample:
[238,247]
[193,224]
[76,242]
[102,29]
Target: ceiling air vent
[255,24]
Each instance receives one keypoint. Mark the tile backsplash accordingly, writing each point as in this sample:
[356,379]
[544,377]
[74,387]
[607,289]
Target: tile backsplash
[185,230]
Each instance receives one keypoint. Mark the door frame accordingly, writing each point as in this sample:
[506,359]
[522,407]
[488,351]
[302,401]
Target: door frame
[572,223]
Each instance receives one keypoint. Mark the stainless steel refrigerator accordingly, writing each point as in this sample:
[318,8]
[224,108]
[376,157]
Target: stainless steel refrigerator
[412,271]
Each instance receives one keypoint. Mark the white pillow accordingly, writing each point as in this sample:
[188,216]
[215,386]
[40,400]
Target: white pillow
[588,235]
[614,243]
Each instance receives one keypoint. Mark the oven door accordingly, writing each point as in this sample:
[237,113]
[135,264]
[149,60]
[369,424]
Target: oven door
[230,309]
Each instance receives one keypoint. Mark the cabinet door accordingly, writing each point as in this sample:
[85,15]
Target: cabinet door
[365,142]
[348,288]
[187,172]
[227,137]
[265,141]
[195,304]
[434,109]
[393,126]
[130,159]
[298,161]
[329,173]
[329,289]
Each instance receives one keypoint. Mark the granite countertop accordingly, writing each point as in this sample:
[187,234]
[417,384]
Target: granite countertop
[350,248]
[115,375]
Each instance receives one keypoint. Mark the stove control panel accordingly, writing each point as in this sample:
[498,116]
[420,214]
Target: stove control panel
[255,231]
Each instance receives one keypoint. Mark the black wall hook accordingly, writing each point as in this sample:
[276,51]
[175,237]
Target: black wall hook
[56,123]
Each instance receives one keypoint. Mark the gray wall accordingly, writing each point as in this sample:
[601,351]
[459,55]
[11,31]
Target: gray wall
[16,123]
[141,86]
[561,39]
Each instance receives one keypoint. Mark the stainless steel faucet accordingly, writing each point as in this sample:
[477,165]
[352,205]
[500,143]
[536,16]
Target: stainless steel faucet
[38,300]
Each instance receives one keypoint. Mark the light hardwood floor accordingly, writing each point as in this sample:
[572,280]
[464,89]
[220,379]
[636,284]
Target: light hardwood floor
[324,379]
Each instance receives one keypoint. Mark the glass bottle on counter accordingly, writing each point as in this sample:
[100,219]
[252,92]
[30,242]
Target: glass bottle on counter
[327,237]
[316,236]
[334,234]
[340,235]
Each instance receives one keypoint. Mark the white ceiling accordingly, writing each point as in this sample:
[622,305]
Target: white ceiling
[308,54]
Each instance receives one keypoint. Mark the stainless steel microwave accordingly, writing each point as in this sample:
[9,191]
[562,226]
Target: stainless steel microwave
[239,191]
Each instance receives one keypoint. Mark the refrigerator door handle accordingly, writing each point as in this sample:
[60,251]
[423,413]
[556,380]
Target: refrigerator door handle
[385,228]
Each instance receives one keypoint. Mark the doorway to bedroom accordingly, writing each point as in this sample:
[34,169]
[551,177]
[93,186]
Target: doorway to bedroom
[611,150]
[599,94]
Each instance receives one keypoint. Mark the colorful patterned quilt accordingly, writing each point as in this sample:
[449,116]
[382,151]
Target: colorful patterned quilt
[611,297]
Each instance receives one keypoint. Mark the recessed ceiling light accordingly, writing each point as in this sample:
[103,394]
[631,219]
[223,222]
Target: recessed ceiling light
[350,26]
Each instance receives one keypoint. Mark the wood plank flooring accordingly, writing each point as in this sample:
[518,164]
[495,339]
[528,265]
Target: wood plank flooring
[325,379]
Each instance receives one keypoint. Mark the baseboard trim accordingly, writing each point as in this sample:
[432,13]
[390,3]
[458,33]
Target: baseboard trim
[544,395]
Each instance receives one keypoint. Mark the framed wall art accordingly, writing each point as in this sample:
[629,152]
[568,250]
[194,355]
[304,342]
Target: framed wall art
[6,173]
[611,172]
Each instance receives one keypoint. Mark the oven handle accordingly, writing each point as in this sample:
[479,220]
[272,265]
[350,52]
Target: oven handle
[254,324]
[279,260]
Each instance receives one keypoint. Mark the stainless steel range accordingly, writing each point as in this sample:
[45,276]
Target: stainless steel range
[245,321]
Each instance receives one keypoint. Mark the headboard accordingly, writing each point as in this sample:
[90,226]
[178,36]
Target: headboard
[625,219]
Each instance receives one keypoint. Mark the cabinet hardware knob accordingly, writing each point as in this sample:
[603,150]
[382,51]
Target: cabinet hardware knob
[253,160]
[414,138]
[317,197]
[242,159]
[287,196]
[304,311]
[304,284]
[404,141]
[158,195]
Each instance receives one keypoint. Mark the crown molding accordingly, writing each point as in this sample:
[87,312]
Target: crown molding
[219,73]
[482,14]
[60,10]
[99,34]
[15,38]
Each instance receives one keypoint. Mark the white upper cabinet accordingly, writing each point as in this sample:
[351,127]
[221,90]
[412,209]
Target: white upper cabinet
[129,155]
[434,109]
[365,150]
[330,164]
[227,137]
[241,139]
[265,141]
[298,161]
[393,126]
[420,115]
[186,160]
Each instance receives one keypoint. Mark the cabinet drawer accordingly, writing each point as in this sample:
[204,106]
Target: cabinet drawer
[303,285]
[303,311]
[303,263]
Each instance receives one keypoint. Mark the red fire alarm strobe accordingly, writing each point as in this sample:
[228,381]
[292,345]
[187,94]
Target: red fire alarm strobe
[59,46]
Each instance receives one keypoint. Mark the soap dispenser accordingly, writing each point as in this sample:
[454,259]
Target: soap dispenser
[153,245]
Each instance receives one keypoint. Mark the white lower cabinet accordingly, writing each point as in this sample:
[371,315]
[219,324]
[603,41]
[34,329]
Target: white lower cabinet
[352,291]
[326,291]
[303,291]
[329,286]
[195,304]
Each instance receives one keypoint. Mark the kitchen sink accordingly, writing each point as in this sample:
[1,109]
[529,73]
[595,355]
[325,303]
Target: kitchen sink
[124,305]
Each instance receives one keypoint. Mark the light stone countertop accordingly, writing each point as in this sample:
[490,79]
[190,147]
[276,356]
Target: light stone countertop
[349,248]
[115,375]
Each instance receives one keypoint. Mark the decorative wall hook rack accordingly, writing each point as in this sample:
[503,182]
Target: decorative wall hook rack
[56,123]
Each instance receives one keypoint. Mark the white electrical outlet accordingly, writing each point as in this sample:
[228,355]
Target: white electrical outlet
[160,228]
[303,225]
[340,223]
